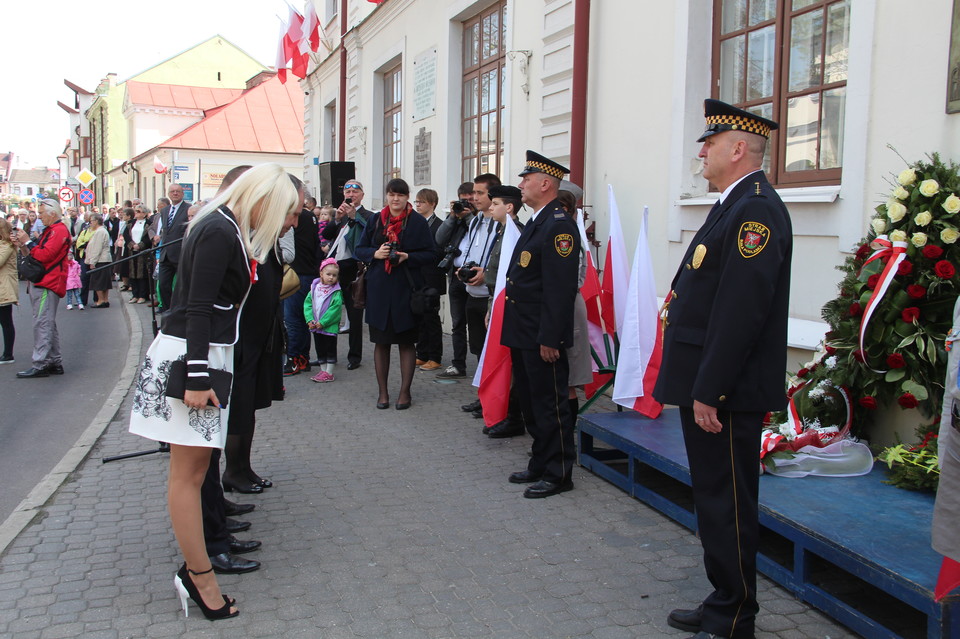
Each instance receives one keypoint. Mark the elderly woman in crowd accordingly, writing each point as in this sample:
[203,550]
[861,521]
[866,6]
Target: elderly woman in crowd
[138,240]
[9,289]
[396,244]
[97,256]
[223,244]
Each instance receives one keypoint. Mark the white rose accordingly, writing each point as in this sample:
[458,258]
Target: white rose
[907,177]
[952,204]
[923,218]
[879,225]
[901,193]
[949,235]
[919,239]
[929,188]
[898,236]
[895,211]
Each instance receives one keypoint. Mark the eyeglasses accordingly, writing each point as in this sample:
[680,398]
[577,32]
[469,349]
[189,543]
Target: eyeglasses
[352,185]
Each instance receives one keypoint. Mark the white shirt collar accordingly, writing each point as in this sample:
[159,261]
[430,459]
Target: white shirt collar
[726,192]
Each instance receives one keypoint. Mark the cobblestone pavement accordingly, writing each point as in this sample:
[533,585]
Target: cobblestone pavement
[382,524]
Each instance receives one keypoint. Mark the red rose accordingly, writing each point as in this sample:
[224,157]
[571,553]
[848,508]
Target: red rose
[868,402]
[863,252]
[907,400]
[873,280]
[944,269]
[859,356]
[829,349]
[932,251]
[905,268]
[895,360]
[803,372]
[793,389]
[915,291]
[910,314]
[855,309]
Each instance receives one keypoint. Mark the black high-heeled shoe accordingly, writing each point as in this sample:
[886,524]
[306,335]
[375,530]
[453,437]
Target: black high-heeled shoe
[247,489]
[263,482]
[186,588]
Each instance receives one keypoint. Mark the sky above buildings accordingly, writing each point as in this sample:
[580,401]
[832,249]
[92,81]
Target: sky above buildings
[83,41]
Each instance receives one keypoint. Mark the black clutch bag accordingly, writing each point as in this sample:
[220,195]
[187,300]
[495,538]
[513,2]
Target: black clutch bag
[220,382]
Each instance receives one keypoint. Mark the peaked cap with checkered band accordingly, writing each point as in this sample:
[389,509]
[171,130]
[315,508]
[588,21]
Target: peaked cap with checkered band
[725,117]
[536,163]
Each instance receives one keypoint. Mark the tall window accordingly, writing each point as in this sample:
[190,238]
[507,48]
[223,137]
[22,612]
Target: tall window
[484,50]
[787,60]
[392,123]
[330,117]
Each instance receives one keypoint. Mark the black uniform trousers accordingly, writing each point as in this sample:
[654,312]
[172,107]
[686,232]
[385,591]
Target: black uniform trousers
[165,275]
[348,273]
[215,533]
[542,390]
[430,343]
[725,473]
[466,316]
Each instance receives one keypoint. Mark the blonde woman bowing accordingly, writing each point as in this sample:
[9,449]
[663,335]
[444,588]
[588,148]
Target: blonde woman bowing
[224,243]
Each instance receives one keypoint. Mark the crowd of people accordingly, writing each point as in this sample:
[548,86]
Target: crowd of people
[226,341]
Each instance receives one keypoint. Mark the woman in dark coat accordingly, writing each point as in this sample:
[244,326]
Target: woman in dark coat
[398,233]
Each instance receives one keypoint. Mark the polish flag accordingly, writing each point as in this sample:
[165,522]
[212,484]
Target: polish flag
[158,166]
[948,579]
[637,368]
[613,301]
[292,49]
[495,368]
[311,27]
[602,354]
[281,62]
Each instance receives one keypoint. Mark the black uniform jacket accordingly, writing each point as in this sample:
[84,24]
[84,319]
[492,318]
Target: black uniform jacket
[725,342]
[542,282]
[170,252]
[212,283]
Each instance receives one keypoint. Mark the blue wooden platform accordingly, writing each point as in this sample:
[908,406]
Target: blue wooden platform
[854,547]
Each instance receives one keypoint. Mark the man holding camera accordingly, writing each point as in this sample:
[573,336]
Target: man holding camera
[467,240]
[344,235]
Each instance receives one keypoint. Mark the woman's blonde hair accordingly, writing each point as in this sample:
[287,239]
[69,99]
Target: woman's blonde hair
[5,230]
[260,199]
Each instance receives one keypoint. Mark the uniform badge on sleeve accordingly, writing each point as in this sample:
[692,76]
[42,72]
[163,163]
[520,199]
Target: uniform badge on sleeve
[564,244]
[525,259]
[752,239]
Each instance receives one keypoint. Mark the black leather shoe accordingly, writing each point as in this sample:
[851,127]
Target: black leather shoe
[245,489]
[54,369]
[477,414]
[227,564]
[684,619]
[238,547]
[352,366]
[404,406]
[233,509]
[505,429]
[30,373]
[472,406]
[383,405]
[545,488]
[263,482]
[235,525]
[523,477]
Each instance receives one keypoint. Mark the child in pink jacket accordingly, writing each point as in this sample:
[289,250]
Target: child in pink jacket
[73,282]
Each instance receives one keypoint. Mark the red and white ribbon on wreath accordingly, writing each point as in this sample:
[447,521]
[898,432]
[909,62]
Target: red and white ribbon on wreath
[897,251]
[771,439]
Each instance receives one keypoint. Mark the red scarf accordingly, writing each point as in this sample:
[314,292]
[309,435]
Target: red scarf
[392,227]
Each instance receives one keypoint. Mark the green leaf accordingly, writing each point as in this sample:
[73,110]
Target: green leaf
[915,389]
[895,375]
[907,341]
[932,351]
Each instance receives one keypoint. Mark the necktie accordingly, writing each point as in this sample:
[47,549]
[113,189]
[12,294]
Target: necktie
[173,213]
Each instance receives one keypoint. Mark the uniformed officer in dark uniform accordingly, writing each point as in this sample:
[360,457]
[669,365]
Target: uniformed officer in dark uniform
[724,357]
[538,326]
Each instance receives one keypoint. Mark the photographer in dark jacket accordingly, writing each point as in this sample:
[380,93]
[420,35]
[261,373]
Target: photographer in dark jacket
[345,236]
[430,344]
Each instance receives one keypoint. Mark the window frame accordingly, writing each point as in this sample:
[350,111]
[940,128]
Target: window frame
[776,146]
[392,112]
[496,61]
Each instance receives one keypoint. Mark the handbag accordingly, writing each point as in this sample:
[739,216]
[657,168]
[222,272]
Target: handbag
[358,289]
[423,300]
[290,283]
[220,382]
[31,269]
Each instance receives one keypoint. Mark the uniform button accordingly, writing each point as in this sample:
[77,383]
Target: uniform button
[688,267]
[723,398]
[506,297]
[666,322]
[675,295]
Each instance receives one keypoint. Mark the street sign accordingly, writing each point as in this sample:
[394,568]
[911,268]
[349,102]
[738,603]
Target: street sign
[86,196]
[85,177]
[66,194]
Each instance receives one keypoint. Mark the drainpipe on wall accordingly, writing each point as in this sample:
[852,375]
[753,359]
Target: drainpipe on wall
[581,69]
[342,100]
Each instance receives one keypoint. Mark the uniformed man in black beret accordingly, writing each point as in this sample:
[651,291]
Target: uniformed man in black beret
[724,357]
[538,326]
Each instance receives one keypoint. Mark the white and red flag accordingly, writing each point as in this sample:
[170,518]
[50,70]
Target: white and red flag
[616,268]
[311,27]
[601,347]
[495,369]
[293,49]
[638,361]
[158,166]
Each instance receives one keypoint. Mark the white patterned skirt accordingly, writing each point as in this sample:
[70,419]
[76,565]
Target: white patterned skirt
[165,419]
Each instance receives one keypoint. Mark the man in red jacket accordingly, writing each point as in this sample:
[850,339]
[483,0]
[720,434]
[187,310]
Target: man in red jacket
[49,249]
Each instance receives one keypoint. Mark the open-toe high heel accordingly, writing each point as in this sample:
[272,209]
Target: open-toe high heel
[186,588]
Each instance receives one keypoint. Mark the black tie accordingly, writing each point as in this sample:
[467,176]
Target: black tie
[173,213]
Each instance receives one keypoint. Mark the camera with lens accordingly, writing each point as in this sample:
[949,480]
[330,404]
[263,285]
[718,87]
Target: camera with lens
[466,273]
[393,257]
[449,253]
[460,206]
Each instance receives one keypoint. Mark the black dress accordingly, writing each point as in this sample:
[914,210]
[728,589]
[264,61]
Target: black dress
[257,357]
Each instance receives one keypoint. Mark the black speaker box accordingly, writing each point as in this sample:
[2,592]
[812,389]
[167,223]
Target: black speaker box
[333,175]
